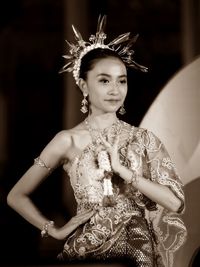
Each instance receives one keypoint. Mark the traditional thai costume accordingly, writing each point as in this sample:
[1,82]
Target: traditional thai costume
[132,228]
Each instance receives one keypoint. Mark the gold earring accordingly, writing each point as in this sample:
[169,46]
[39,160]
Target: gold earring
[122,110]
[84,104]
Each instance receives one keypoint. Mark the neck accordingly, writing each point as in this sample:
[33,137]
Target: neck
[102,121]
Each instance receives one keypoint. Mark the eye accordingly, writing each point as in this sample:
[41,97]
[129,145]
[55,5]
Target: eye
[104,80]
[123,81]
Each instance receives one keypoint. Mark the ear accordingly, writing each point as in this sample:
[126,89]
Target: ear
[83,86]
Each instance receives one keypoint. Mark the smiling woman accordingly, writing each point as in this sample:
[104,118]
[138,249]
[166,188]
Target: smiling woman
[128,193]
[106,84]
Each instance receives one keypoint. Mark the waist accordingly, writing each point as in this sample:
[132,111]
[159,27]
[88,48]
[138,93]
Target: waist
[128,209]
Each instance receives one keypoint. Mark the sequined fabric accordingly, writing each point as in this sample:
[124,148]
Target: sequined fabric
[135,229]
[129,240]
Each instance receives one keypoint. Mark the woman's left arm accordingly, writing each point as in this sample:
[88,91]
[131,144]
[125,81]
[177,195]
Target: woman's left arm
[154,190]
[158,193]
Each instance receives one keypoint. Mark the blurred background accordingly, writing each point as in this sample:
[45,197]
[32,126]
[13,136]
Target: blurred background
[36,102]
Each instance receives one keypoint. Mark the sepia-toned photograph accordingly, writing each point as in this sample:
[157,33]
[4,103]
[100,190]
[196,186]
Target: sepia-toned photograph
[100,133]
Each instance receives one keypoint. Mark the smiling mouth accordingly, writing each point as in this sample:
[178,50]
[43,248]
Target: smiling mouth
[113,100]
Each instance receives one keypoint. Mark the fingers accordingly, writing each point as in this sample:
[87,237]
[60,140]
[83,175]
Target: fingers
[107,144]
[83,217]
[116,141]
[84,214]
[75,222]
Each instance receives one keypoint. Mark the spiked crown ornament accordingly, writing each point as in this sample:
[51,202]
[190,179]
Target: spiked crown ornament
[121,45]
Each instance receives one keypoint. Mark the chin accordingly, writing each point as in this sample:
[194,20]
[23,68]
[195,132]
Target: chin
[111,110]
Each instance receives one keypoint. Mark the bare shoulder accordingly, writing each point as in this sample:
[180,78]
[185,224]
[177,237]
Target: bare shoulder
[78,130]
[79,136]
[62,146]
[58,145]
[65,138]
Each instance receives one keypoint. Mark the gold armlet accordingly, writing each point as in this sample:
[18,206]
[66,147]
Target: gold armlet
[38,161]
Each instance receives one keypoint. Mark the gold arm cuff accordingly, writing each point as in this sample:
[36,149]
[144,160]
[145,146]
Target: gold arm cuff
[38,161]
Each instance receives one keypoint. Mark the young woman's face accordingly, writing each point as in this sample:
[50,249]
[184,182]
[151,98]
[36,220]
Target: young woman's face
[106,85]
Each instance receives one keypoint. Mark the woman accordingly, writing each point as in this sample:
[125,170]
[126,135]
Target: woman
[127,190]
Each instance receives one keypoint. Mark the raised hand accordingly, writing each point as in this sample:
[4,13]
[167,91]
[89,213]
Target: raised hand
[112,150]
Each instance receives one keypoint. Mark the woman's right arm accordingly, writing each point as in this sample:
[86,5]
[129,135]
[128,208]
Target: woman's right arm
[19,196]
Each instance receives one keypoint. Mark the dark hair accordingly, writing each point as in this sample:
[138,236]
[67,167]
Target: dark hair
[88,61]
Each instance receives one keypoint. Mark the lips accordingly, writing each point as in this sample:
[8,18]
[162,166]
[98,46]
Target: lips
[113,101]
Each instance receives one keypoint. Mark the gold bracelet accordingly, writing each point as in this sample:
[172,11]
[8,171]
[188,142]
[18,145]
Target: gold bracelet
[45,228]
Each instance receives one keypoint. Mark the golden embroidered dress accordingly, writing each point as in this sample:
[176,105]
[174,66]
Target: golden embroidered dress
[135,228]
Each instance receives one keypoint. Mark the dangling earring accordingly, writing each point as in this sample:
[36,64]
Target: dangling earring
[84,103]
[122,110]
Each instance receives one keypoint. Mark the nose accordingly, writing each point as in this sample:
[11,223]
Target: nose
[114,89]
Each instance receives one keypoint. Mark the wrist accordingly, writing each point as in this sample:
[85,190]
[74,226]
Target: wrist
[46,227]
[129,176]
[49,229]
[55,233]
[134,178]
[117,169]
[122,172]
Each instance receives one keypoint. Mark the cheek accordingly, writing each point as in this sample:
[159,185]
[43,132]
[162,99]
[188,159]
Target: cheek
[96,93]
[94,97]
[124,91]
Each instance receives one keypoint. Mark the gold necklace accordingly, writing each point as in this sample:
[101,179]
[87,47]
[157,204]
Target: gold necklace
[109,133]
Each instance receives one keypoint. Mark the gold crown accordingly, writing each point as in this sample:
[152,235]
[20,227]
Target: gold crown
[121,45]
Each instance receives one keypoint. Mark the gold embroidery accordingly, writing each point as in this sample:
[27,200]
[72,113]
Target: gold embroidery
[122,230]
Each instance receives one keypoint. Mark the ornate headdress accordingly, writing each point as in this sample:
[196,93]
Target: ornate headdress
[121,45]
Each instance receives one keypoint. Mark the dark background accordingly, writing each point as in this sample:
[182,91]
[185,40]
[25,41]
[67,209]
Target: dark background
[33,94]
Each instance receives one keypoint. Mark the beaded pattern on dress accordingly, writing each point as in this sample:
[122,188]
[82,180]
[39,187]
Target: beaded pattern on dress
[98,238]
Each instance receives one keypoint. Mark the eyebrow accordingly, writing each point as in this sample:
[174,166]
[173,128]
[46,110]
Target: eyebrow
[108,75]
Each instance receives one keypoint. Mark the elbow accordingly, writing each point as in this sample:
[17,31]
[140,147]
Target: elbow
[12,199]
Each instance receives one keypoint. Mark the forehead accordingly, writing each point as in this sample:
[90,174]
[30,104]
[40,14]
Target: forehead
[110,65]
